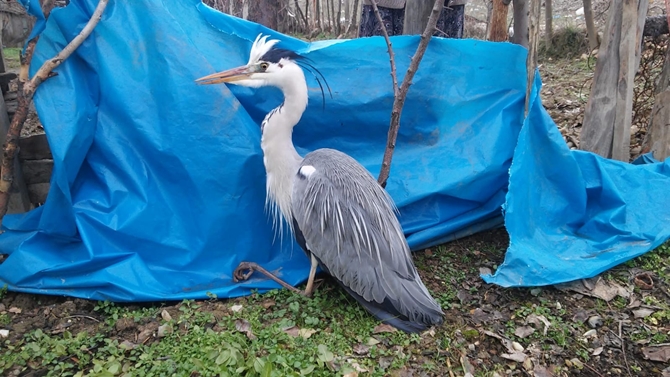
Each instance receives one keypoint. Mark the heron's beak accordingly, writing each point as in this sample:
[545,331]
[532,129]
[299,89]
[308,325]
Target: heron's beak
[231,75]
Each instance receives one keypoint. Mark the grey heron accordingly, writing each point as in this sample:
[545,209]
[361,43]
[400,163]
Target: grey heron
[341,217]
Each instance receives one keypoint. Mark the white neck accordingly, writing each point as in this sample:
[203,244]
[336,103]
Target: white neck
[281,159]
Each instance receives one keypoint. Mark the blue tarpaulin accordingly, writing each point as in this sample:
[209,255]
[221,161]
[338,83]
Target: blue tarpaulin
[158,186]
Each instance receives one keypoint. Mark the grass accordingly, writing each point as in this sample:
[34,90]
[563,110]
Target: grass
[329,327]
[283,334]
[12,57]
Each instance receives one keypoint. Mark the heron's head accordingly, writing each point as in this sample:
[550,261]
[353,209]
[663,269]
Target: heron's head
[267,66]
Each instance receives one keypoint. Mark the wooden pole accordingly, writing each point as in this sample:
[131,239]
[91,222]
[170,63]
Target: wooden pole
[498,25]
[548,23]
[520,11]
[590,25]
[533,36]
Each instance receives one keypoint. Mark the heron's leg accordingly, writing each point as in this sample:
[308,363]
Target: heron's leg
[239,275]
[312,272]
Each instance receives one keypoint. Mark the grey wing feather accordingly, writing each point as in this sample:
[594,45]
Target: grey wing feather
[348,223]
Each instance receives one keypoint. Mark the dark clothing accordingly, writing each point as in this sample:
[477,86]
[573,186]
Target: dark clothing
[393,21]
[450,22]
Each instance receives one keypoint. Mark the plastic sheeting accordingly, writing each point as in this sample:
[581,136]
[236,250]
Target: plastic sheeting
[573,214]
[158,184]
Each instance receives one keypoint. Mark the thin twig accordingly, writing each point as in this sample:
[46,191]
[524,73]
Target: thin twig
[623,349]
[399,100]
[593,370]
[26,91]
[82,316]
[389,47]
[451,372]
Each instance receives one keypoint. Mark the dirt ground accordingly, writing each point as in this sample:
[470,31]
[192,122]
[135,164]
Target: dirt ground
[515,332]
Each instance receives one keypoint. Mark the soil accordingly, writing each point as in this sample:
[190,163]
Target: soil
[477,315]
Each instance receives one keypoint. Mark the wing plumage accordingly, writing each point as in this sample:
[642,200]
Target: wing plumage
[348,222]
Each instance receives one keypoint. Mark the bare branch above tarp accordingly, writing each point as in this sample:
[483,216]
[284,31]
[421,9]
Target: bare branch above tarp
[400,93]
[26,91]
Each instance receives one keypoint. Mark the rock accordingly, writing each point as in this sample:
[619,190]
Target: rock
[595,321]
[164,330]
[166,316]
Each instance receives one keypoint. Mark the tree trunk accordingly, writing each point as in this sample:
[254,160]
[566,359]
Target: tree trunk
[608,114]
[264,12]
[498,23]
[317,13]
[347,10]
[302,19]
[590,25]
[520,36]
[533,37]
[238,8]
[657,139]
[339,17]
[416,16]
[352,20]
[329,15]
[548,23]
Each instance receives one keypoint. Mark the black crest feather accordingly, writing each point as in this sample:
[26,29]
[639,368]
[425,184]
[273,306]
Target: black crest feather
[277,54]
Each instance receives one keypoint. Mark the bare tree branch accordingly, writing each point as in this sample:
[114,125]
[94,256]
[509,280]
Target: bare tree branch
[27,91]
[385,33]
[399,98]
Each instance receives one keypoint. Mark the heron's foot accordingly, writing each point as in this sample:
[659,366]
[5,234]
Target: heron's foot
[245,269]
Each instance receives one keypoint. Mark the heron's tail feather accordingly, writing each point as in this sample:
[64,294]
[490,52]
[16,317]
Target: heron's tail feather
[388,312]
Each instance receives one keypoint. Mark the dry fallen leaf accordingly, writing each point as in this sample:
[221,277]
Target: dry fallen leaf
[242,325]
[357,366]
[268,303]
[541,371]
[372,341]
[236,308]
[293,331]
[537,319]
[642,313]
[661,353]
[383,328]
[524,331]
[361,349]
[596,287]
[517,356]
[15,310]
[306,333]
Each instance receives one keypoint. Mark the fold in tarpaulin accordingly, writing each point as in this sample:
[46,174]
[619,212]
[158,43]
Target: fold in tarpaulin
[573,214]
[158,186]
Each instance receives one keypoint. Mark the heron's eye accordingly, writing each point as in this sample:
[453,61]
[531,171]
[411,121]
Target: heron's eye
[264,66]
